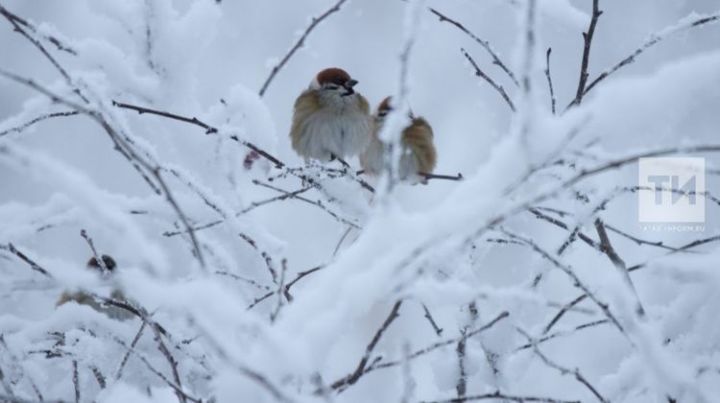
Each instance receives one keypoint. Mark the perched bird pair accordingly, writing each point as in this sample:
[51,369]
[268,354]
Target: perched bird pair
[332,121]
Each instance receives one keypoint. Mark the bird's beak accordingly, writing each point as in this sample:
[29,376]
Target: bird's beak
[349,84]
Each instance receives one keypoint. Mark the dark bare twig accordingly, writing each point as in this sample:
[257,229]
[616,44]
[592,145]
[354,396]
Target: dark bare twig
[619,263]
[118,373]
[281,291]
[50,38]
[440,344]
[503,397]
[563,371]
[485,44]
[481,74]
[195,121]
[99,377]
[354,376]
[18,24]
[562,312]
[76,380]
[316,203]
[654,39]
[559,223]
[437,329]
[577,282]
[562,333]
[289,285]
[580,298]
[243,279]
[246,210]
[125,145]
[20,128]
[300,42]
[267,257]
[587,37]
[427,176]
[182,396]
[299,277]
[549,79]
[11,248]
[460,350]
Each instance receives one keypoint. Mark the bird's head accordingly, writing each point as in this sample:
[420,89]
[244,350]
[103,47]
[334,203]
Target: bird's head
[334,80]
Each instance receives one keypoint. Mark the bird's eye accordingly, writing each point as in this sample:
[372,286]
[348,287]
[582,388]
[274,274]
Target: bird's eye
[331,87]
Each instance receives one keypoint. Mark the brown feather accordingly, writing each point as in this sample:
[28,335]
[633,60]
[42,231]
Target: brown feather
[305,105]
[333,75]
[418,137]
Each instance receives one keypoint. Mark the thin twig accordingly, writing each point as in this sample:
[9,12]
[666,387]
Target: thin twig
[246,210]
[428,176]
[76,380]
[577,282]
[440,344]
[549,79]
[563,371]
[280,291]
[195,121]
[354,376]
[300,42]
[12,249]
[619,263]
[652,40]
[587,37]
[503,397]
[437,329]
[20,128]
[481,74]
[118,373]
[485,44]
[316,203]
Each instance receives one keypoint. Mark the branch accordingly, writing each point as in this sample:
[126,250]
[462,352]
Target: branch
[182,396]
[483,43]
[501,396]
[251,207]
[437,329]
[316,203]
[563,371]
[685,23]
[588,37]
[440,344]
[125,145]
[11,248]
[289,285]
[577,282]
[549,79]
[20,128]
[16,22]
[428,176]
[197,122]
[481,74]
[300,42]
[76,380]
[619,264]
[353,377]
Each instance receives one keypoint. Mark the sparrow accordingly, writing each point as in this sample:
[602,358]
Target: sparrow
[106,268]
[418,155]
[330,119]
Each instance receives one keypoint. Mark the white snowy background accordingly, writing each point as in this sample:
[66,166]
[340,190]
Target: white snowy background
[482,257]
